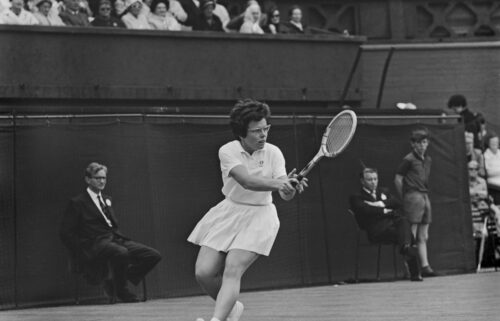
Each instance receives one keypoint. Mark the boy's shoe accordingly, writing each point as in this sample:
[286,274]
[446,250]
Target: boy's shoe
[236,312]
[428,272]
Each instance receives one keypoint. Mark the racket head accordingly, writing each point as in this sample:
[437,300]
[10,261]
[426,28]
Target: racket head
[339,133]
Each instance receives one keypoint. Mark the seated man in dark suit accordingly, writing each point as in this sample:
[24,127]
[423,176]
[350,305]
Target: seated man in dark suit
[376,213]
[90,230]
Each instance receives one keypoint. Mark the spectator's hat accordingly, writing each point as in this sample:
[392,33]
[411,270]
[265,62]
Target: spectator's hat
[38,3]
[128,3]
[419,134]
[206,3]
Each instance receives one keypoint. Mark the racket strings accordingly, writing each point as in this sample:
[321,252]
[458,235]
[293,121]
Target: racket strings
[339,134]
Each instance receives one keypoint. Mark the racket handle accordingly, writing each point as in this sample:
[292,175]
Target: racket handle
[299,178]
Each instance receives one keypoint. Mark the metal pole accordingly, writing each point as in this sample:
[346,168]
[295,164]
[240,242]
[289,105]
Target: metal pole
[351,75]
[384,75]
[14,205]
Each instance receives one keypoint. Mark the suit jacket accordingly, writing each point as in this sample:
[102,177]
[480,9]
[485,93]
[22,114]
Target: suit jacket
[371,218]
[83,225]
[79,19]
[288,27]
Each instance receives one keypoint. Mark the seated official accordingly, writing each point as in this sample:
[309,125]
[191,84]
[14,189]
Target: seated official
[375,211]
[90,230]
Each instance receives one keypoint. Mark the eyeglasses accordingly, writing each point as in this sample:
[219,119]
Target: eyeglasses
[263,130]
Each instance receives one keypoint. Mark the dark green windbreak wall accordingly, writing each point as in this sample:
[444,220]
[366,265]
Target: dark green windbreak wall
[164,175]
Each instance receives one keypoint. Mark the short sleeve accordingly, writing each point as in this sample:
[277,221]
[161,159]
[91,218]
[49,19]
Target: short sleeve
[228,160]
[279,168]
[404,167]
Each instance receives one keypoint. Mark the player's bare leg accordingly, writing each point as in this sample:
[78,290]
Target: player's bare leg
[237,262]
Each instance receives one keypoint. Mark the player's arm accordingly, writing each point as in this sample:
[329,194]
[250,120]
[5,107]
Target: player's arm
[261,184]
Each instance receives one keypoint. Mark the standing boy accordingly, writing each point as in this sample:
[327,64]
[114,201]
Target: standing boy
[412,184]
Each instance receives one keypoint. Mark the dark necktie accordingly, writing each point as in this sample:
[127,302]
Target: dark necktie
[105,210]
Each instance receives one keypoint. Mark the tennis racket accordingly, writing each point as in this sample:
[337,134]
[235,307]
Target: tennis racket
[337,136]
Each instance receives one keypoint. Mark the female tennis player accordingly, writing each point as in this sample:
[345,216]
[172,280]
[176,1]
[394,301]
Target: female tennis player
[242,227]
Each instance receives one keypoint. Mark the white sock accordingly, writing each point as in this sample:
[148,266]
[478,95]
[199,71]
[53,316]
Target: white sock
[214,319]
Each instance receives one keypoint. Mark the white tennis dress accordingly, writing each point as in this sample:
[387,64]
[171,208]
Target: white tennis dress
[244,219]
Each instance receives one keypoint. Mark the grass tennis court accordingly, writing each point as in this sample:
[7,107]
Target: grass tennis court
[466,297]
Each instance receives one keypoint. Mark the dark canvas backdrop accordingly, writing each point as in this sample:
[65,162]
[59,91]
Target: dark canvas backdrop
[164,175]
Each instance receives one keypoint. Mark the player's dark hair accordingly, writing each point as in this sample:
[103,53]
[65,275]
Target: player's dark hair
[367,170]
[457,101]
[245,111]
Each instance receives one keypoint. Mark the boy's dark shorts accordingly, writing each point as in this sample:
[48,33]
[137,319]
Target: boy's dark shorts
[417,207]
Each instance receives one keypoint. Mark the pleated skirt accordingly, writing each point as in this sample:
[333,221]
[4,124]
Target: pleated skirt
[230,225]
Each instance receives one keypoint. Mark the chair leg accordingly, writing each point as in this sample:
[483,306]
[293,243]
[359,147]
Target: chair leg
[77,289]
[493,242]
[144,290]
[378,261]
[111,276]
[356,260]
[395,261]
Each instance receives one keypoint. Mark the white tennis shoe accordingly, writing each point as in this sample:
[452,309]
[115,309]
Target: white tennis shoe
[236,312]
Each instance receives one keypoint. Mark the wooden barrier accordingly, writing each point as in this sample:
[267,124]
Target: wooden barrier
[97,64]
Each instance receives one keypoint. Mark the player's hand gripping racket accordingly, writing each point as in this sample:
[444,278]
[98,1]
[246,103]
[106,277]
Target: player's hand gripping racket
[337,136]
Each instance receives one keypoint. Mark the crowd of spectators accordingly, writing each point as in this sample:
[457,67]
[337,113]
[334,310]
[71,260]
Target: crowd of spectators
[483,164]
[173,15]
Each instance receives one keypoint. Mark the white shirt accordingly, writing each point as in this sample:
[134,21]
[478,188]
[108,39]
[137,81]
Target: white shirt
[133,22]
[95,199]
[163,23]
[177,11]
[251,27]
[221,12]
[24,18]
[49,20]
[4,4]
[492,166]
[267,162]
